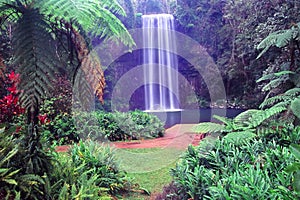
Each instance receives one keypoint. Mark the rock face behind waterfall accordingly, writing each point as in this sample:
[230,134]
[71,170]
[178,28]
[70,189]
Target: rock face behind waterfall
[160,62]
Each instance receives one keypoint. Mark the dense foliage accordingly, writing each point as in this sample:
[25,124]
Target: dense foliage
[102,126]
[252,155]
[132,125]
[251,169]
[47,37]
[30,172]
[9,104]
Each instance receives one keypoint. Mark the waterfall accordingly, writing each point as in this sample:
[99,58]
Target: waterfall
[160,61]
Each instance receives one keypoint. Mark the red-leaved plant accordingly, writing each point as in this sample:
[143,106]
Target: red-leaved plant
[9,104]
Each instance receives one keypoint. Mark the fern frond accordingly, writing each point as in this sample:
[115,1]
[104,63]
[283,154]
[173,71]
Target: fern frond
[295,107]
[95,17]
[279,39]
[34,56]
[265,77]
[284,72]
[240,136]
[284,99]
[259,117]
[273,84]
[90,73]
[293,92]
[265,130]
[222,119]
[209,127]
[242,120]
[272,100]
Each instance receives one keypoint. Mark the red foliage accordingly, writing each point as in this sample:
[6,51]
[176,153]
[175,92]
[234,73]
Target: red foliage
[43,119]
[9,104]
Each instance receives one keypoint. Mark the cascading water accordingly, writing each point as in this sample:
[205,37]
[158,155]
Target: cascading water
[160,61]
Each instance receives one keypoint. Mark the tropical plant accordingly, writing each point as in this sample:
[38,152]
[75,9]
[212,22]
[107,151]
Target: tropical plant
[25,165]
[39,29]
[219,169]
[9,104]
[244,126]
[131,125]
[89,170]
[294,168]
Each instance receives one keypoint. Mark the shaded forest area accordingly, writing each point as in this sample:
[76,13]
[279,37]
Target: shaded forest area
[230,31]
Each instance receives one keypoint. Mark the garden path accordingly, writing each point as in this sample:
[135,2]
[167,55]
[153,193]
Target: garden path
[178,136]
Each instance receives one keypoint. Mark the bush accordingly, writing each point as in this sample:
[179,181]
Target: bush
[251,169]
[132,125]
[88,170]
[24,164]
[98,125]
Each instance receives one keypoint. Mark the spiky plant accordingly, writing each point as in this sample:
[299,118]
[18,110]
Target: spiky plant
[283,88]
[38,32]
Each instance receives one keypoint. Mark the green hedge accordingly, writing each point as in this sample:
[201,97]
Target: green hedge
[132,125]
[99,125]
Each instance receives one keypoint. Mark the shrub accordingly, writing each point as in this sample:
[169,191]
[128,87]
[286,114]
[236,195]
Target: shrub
[132,125]
[9,104]
[170,192]
[250,169]
[61,130]
[98,125]
[89,170]
[24,164]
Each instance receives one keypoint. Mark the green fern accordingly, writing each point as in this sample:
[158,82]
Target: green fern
[242,119]
[273,75]
[240,136]
[259,117]
[87,14]
[295,107]
[209,127]
[243,127]
[34,57]
[284,99]
[279,39]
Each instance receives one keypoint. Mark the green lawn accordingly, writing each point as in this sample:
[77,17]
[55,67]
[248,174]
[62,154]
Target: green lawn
[150,168]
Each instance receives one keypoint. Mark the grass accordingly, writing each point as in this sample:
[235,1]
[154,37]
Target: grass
[150,168]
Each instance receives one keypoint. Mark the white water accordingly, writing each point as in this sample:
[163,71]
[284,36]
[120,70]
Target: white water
[161,80]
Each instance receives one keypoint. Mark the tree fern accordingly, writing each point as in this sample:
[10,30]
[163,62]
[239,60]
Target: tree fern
[284,99]
[88,13]
[34,57]
[89,73]
[243,127]
[239,137]
[37,23]
[259,117]
[242,120]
